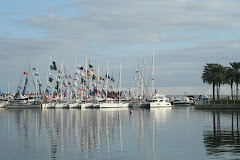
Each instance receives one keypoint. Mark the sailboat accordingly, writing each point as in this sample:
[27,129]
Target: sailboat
[23,100]
[85,103]
[157,100]
[112,103]
[4,100]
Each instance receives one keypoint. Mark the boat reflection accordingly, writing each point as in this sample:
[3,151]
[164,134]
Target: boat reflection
[88,133]
[224,136]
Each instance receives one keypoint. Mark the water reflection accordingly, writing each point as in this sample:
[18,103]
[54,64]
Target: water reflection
[224,137]
[159,116]
[85,134]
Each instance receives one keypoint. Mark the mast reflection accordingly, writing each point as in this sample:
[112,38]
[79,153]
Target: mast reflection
[90,133]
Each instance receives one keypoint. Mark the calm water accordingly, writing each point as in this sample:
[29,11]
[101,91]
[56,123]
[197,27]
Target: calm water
[170,133]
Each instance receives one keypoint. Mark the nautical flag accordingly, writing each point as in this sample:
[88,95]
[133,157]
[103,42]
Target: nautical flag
[78,65]
[93,77]
[77,72]
[90,66]
[76,78]
[69,76]
[25,73]
[51,67]
[136,71]
[34,68]
[75,84]
[152,78]
[88,74]
[101,78]
[82,74]
[81,68]
[19,87]
[107,76]
[54,65]
[135,77]
[36,74]
[112,79]
[50,79]
[92,70]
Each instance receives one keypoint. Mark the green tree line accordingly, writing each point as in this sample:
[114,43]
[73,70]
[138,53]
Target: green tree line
[217,75]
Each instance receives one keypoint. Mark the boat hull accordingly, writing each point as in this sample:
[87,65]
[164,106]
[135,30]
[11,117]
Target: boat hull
[22,106]
[3,104]
[113,105]
[86,105]
[160,105]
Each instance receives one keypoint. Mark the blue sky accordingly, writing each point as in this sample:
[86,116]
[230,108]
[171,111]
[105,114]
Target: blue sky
[184,34]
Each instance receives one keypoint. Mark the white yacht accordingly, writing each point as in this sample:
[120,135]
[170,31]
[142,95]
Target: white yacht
[158,101]
[183,101]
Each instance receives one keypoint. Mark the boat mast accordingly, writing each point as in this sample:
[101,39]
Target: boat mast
[48,75]
[36,83]
[144,78]
[120,77]
[107,82]
[8,92]
[86,80]
[139,91]
[97,81]
[153,73]
[28,78]
[61,81]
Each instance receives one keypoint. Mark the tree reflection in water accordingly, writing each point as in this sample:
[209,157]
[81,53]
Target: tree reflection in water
[224,136]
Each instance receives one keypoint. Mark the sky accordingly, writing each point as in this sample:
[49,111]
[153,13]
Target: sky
[184,35]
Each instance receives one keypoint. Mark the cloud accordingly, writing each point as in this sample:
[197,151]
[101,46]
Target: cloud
[182,33]
[138,21]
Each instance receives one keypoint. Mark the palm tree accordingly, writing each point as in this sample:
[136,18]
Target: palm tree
[208,75]
[220,77]
[236,73]
[229,78]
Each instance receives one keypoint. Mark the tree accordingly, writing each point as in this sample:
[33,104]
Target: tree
[220,77]
[236,73]
[209,75]
[229,78]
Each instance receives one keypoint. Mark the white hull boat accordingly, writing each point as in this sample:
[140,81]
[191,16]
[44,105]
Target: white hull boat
[74,105]
[3,104]
[50,105]
[86,105]
[159,101]
[113,105]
